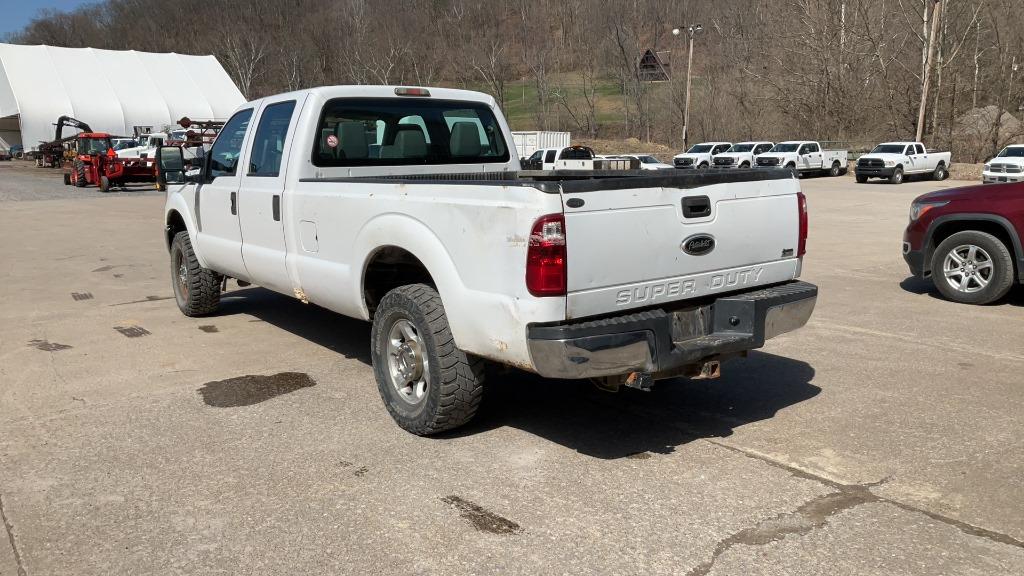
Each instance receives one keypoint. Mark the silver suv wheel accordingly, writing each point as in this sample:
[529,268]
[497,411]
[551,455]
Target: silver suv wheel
[967,268]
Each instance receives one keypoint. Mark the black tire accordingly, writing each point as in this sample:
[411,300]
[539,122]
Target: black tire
[453,379]
[745,165]
[196,289]
[702,166]
[861,179]
[897,176]
[836,169]
[80,174]
[67,179]
[940,173]
[104,184]
[999,281]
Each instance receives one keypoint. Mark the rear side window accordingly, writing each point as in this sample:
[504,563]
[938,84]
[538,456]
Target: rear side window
[228,147]
[920,148]
[407,131]
[550,156]
[577,153]
[268,145]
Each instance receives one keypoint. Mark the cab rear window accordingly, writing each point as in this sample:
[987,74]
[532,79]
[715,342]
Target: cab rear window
[407,131]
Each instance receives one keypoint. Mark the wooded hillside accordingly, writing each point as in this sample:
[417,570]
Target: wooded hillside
[836,70]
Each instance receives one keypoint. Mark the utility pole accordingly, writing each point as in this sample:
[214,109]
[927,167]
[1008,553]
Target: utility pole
[932,37]
[691,29]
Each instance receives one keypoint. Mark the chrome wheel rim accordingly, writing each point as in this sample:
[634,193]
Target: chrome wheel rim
[182,274]
[968,268]
[408,368]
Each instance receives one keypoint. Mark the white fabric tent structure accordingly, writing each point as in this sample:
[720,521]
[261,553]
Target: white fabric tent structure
[112,91]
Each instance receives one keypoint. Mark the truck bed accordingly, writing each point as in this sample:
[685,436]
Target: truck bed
[566,181]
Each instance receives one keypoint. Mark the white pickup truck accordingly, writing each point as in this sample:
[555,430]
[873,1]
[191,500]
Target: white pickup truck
[1007,166]
[894,160]
[741,155]
[700,156]
[806,157]
[405,207]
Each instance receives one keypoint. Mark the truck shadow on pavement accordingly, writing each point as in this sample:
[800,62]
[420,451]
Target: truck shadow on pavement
[575,414]
[635,424]
[344,335]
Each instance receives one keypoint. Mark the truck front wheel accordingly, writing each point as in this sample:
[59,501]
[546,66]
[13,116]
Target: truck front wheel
[196,289]
[897,176]
[427,384]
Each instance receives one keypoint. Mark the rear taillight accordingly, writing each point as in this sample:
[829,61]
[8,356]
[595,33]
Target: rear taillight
[545,257]
[801,206]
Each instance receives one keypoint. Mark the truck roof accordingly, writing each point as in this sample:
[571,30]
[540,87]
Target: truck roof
[898,143]
[364,91]
[799,142]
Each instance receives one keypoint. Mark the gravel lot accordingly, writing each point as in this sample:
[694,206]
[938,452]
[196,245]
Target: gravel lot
[884,438]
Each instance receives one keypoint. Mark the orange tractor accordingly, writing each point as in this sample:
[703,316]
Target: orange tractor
[90,159]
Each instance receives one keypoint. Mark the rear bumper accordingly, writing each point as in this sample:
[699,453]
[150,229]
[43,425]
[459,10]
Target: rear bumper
[873,172]
[666,341]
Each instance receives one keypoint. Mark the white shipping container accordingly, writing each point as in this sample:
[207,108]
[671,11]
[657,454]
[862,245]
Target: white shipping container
[529,142]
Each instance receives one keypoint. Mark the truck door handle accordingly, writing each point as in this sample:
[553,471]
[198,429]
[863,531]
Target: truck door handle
[277,207]
[696,206]
[234,204]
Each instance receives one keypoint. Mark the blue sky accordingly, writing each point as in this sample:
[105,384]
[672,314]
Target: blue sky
[15,14]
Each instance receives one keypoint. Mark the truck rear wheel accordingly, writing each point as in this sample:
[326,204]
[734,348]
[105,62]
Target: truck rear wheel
[196,289]
[104,184]
[427,384]
[80,174]
[972,267]
[940,173]
[897,176]
[836,169]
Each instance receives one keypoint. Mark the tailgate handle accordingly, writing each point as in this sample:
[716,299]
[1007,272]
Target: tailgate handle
[696,206]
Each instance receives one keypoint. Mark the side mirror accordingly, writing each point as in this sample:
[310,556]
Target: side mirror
[170,166]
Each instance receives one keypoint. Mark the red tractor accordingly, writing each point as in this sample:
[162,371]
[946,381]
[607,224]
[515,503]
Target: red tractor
[92,160]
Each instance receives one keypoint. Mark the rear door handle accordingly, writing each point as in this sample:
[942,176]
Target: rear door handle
[277,207]
[234,204]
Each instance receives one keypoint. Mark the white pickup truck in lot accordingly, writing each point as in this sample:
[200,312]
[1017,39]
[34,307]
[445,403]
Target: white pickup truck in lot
[700,156]
[741,155]
[1007,166]
[405,207]
[805,157]
[894,160]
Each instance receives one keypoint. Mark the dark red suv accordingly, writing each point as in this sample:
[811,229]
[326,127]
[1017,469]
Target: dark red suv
[968,241]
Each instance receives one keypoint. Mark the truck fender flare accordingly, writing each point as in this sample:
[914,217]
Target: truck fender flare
[1017,249]
[405,232]
[177,209]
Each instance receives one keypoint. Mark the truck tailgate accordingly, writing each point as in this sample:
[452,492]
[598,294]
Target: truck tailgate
[632,245]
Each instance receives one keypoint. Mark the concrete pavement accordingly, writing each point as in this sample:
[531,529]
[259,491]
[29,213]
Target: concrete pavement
[883,438]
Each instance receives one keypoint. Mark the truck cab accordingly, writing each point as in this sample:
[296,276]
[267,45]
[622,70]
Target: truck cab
[741,155]
[700,156]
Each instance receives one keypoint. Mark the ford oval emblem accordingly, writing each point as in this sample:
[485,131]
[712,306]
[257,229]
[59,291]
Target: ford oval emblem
[698,244]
